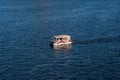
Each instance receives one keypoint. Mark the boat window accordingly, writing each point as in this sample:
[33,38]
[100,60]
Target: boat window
[59,38]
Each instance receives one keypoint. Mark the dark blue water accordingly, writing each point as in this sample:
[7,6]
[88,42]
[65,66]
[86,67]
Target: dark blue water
[26,27]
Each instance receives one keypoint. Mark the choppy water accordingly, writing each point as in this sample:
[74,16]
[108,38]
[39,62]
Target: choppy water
[26,27]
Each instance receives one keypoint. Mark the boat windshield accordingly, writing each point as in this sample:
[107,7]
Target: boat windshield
[56,39]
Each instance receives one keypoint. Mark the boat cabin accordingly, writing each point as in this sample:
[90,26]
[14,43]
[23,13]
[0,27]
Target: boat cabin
[61,39]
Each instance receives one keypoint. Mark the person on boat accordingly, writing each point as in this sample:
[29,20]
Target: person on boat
[59,40]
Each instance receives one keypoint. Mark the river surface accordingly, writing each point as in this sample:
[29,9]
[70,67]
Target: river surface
[26,27]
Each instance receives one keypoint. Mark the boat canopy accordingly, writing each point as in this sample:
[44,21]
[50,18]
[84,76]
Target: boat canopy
[67,37]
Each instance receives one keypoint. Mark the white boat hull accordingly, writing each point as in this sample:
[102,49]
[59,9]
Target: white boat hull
[62,43]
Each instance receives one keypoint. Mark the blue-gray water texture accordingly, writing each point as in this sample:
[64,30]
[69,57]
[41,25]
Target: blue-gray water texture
[26,27]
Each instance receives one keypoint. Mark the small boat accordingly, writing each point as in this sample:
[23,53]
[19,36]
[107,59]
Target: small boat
[61,40]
